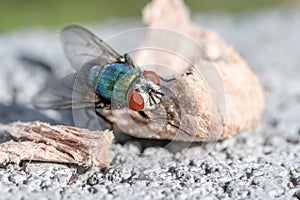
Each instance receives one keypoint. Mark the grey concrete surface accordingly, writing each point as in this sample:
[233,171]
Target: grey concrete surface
[254,165]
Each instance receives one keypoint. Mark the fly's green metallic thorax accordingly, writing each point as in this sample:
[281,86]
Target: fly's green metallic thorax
[122,86]
[113,81]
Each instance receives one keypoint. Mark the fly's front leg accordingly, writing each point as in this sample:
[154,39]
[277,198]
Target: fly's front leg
[172,78]
[144,115]
[163,122]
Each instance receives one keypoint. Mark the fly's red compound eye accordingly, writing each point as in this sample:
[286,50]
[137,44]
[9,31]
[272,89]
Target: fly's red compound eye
[152,76]
[135,101]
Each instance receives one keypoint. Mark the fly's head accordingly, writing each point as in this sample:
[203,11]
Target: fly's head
[145,93]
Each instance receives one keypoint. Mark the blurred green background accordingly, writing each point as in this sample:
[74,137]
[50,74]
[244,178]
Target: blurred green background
[51,13]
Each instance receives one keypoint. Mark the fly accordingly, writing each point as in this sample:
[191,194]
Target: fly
[101,75]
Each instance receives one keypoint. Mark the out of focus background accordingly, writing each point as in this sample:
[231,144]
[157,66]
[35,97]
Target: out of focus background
[16,14]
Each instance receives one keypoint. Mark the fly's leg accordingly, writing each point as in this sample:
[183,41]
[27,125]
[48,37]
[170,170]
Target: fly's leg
[172,78]
[144,115]
[128,60]
[163,122]
[100,115]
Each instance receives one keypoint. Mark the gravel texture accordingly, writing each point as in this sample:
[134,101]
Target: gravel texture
[254,165]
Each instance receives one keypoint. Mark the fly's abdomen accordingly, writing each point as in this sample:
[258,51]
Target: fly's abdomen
[103,79]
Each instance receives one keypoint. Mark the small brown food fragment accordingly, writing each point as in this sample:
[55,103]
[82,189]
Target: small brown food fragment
[37,141]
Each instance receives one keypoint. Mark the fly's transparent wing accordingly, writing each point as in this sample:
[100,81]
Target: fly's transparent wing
[81,46]
[64,95]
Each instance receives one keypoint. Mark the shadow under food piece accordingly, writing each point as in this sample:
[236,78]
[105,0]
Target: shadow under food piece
[144,143]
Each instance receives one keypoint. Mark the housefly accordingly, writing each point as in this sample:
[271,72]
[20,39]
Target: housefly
[102,75]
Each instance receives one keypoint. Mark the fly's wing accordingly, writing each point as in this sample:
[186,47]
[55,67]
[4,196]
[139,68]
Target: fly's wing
[81,46]
[71,92]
